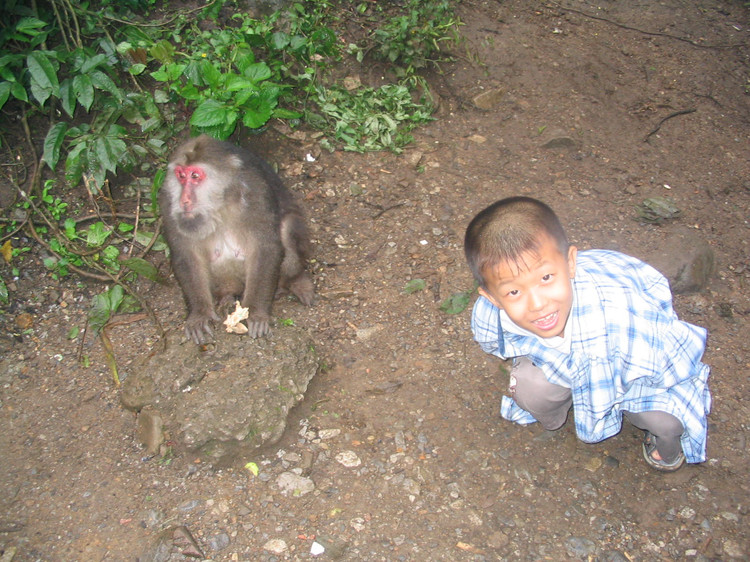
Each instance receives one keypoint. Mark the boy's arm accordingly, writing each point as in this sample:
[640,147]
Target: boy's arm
[485,324]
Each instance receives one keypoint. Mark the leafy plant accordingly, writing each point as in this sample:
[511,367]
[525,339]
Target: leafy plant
[415,285]
[457,302]
[412,40]
[372,119]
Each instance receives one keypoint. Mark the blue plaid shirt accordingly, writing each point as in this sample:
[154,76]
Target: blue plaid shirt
[626,350]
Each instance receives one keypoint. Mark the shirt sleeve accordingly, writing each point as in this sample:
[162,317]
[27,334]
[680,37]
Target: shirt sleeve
[485,326]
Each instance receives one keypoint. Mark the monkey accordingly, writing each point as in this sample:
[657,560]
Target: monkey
[233,230]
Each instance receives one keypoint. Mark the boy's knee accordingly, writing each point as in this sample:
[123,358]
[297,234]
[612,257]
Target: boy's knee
[547,402]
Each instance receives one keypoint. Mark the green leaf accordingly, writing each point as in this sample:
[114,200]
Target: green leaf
[70,229]
[29,26]
[209,113]
[41,93]
[258,114]
[103,306]
[142,268]
[281,113]
[279,40]
[52,143]
[109,150]
[92,62]
[144,239]
[137,69]
[74,164]
[19,92]
[43,82]
[415,285]
[67,97]
[163,51]
[103,82]
[211,75]
[456,303]
[236,83]
[97,234]
[84,90]
[4,93]
[257,72]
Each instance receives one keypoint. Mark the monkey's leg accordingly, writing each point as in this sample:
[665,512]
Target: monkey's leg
[293,274]
[193,274]
[261,278]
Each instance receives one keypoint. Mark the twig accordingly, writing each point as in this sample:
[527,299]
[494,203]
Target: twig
[675,114]
[644,32]
[157,24]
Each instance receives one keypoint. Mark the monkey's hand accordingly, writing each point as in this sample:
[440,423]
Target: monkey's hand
[199,326]
[258,325]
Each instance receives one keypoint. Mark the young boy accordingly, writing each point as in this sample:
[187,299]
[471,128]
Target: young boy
[595,330]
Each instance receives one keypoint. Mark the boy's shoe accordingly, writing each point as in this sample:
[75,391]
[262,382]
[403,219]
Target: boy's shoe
[649,446]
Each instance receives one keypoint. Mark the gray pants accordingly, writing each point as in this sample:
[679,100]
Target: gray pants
[549,403]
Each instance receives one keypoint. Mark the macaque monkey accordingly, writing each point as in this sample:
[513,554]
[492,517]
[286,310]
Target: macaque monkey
[233,230]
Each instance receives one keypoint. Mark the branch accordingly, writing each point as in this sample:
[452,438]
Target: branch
[675,114]
[652,33]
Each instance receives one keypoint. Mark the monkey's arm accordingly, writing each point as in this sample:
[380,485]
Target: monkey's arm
[192,272]
[261,278]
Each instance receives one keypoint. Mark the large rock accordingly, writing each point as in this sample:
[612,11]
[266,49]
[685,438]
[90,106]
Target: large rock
[225,401]
[685,259]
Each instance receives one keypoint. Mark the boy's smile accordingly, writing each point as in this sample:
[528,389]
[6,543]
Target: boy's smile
[536,291]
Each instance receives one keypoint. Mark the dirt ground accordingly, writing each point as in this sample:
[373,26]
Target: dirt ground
[407,393]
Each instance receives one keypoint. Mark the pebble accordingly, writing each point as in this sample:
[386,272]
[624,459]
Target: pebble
[580,547]
[218,542]
[291,484]
[348,458]
[733,549]
[276,546]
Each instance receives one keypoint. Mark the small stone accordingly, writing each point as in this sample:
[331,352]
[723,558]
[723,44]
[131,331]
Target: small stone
[685,259]
[413,157]
[295,485]
[411,486]
[612,556]
[560,142]
[328,433]
[24,321]
[497,540]
[593,464]
[218,542]
[276,546]
[580,547]
[489,99]
[611,462]
[150,430]
[687,513]
[348,458]
[733,549]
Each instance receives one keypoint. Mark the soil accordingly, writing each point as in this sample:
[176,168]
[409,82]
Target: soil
[431,471]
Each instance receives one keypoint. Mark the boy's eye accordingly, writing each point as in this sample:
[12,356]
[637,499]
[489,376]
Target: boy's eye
[513,293]
[547,277]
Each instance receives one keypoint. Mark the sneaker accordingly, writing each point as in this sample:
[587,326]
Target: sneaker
[649,446]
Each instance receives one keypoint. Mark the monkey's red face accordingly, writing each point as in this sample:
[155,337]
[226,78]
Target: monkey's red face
[190,178]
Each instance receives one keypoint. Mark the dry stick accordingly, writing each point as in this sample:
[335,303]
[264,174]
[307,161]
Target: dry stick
[109,351]
[675,114]
[653,33]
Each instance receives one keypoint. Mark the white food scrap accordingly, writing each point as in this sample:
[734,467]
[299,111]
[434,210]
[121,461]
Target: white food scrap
[234,320]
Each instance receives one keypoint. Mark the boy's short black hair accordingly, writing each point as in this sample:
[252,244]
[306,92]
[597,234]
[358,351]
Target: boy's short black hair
[507,229]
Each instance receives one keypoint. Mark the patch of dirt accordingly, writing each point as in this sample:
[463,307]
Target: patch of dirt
[440,475]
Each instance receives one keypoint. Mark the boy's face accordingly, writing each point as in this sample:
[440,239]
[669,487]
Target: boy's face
[537,292]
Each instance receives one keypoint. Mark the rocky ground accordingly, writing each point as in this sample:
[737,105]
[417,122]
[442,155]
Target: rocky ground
[398,451]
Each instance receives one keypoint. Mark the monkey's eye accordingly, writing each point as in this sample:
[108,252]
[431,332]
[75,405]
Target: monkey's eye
[195,175]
